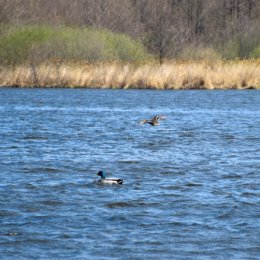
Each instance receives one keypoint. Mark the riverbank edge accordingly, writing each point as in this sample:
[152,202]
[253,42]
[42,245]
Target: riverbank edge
[237,74]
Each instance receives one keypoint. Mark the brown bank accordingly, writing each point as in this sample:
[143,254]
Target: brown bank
[240,74]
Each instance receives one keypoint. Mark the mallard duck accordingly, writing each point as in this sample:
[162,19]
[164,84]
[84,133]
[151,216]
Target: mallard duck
[103,179]
[154,121]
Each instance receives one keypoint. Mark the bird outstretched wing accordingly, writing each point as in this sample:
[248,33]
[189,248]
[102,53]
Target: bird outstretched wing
[144,121]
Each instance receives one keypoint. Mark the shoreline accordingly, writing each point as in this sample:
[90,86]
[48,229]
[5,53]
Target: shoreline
[125,89]
[171,75]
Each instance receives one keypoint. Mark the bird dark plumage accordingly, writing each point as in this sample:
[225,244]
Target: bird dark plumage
[154,121]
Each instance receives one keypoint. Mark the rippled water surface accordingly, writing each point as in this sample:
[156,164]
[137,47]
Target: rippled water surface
[192,184]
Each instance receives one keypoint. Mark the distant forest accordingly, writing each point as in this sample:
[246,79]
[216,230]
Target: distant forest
[167,29]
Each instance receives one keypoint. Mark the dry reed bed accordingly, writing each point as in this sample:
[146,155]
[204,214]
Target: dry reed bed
[170,75]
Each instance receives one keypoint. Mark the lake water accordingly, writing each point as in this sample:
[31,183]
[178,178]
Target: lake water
[191,185]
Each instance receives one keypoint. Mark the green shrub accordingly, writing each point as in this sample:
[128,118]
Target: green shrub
[199,53]
[122,47]
[78,44]
[16,45]
[39,43]
[96,45]
[230,50]
[255,53]
[241,47]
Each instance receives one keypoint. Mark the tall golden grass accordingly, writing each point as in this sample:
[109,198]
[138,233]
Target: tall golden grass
[239,74]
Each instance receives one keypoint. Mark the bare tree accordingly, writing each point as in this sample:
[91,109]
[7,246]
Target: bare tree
[164,26]
[160,27]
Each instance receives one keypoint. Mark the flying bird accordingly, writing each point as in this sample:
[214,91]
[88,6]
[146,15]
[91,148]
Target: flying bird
[154,121]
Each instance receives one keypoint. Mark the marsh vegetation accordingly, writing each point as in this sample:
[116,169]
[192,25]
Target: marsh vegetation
[170,75]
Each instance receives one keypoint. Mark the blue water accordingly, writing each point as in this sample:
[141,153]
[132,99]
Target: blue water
[192,184]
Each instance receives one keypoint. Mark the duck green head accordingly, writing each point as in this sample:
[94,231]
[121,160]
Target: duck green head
[102,174]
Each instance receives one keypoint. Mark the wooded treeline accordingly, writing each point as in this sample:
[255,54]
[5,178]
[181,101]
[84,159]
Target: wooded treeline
[167,28]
